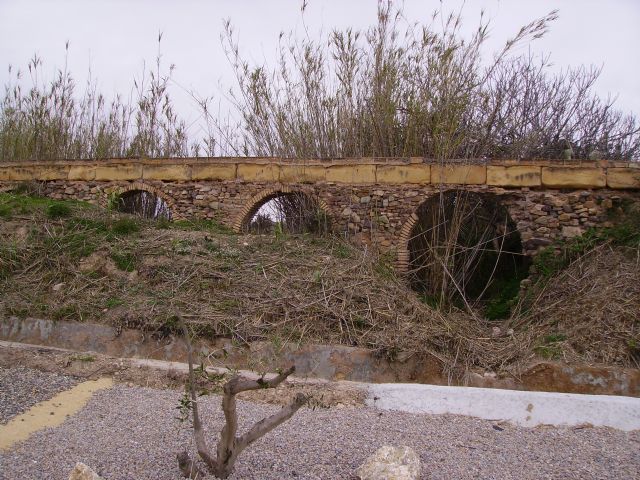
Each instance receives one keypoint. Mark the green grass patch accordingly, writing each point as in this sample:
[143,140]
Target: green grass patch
[384,266]
[626,233]
[199,225]
[98,226]
[342,251]
[5,211]
[549,348]
[114,302]
[125,226]
[58,210]
[125,261]
[67,312]
[432,301]
[503,295]
[84,357]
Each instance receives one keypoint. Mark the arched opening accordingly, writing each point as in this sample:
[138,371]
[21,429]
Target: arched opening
[464,248]
[144,204]
[287,212]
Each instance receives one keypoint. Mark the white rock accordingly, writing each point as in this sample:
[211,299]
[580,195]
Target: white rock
[391,463]
[83,472]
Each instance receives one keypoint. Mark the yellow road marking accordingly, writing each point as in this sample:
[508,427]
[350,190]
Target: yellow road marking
[50,413]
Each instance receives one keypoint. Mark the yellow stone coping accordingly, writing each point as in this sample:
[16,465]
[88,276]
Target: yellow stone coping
[499,173]
[50,413]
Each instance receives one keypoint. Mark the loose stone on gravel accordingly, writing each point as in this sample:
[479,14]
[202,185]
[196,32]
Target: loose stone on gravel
[21,388]
[132,432]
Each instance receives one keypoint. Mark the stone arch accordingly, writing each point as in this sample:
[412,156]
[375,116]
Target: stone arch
[485,213]
[140,186]
[254,203]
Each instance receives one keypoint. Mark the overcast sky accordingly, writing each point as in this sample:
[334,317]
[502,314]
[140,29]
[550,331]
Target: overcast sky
[114,37]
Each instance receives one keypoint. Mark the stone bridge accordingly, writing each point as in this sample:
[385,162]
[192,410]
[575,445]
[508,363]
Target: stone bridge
[371,201]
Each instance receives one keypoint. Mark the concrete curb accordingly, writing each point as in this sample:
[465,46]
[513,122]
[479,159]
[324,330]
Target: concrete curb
[523,408]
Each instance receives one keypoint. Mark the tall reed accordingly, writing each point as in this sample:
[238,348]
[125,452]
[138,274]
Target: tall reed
[422,90]
[50,121]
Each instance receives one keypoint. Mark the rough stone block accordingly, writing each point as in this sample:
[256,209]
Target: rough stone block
[570,232]
[623,178]
[255,172]
[51,172]
[222,171]
[17,173]
[459,174]
[83,472]
[419,173]
[514,176]
[573,177]
[388,462]
[302,173]
[82,172]
[166,172]
[352,173]
[105,173]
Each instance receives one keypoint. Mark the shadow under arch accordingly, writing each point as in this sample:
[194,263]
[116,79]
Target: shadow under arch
[295,210]
[145,201]
[461,243]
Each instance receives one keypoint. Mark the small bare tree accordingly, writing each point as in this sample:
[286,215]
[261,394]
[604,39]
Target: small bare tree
[230,444]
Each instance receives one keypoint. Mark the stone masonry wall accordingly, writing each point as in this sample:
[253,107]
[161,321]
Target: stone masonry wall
[370,202]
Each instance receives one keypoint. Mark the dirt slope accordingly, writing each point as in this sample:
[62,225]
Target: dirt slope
[72,261]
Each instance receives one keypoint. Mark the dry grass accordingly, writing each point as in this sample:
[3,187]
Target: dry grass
[590,312]
[289,289]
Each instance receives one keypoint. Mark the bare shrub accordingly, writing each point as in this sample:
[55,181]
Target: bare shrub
[230,445]
[398,90]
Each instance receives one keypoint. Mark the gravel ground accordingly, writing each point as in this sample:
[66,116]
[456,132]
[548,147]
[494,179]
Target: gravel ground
[131,433]
[21,388]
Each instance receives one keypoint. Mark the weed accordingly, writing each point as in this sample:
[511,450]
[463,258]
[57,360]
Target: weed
[278,231]
[317,276]
[83,357]
[625,233]
[432,301]
[67,312]
[384,266]
[17,311]
[5,211]
[163,223]
[58,210]
[125,261]
[113,200]
[554,338]
[114,302]
[125,226]
[342,250]
[181,247]
[549,352]
[502,295]
[549,349]
[199,225]
[227,305]
[98,226]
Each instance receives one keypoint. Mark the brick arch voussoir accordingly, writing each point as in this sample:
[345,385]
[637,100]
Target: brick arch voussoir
[137,186]
[258,199]
[402,260]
